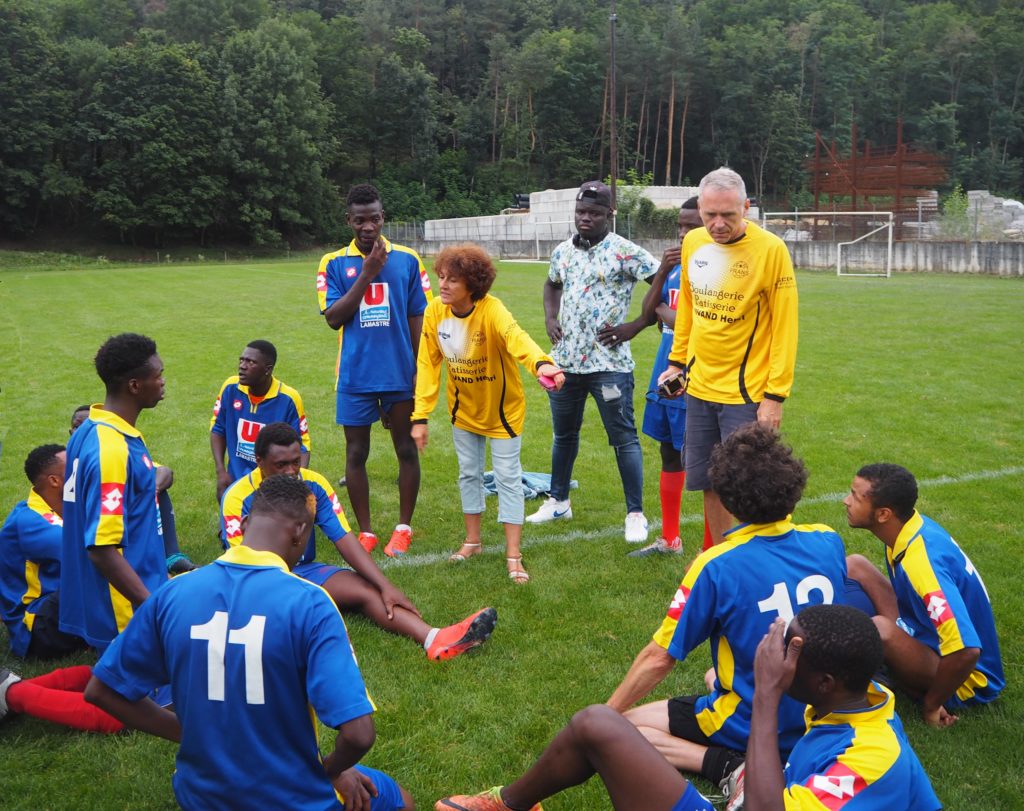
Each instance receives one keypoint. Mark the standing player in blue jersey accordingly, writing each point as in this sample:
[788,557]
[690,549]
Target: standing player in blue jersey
[112,550]
[767,567]
[933,612]
[246,403]
[374,293]
[665,417]
[854,754]
[363,588]
[255,656]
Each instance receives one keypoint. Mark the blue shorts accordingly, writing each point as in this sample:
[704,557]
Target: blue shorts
[707,424]
[665,423]
[317,572]
[357,408]
[692,800]
[389,796]
[855,597]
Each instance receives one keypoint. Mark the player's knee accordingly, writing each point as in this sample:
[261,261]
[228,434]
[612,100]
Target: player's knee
[356,453]
[855,566]
[593,724]
[407,453]
[887,629]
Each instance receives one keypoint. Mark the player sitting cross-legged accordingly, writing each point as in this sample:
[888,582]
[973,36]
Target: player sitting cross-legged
[254,657]
[363,588]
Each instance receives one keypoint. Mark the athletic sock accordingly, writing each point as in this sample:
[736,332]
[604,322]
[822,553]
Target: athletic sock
[66,706]
[406,527]
[719,763]
[671,489]
[708,540]
[430,638]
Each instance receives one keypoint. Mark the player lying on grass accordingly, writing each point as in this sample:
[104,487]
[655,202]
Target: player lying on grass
[765,567]
[251,654]
[933,612]
[853,753]
[363,588]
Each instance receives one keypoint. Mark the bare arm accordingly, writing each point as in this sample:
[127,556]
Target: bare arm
[342,311]
[355,738]
[415,331]
[552,306]
[652,306]
[359,559]
[117,571]
[953,670]
[219,448]
[164,478]
[649,668]
[144,715]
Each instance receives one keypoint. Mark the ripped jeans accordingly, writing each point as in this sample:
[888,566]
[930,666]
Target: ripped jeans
[613,393]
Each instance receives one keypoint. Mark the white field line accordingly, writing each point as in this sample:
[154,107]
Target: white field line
[578,535]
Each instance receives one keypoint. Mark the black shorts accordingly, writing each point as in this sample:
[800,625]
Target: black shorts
[682,720]
[48,640]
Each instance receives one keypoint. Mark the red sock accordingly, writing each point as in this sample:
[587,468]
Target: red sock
[62,706]
[671,489]
[708,540]
[65,678]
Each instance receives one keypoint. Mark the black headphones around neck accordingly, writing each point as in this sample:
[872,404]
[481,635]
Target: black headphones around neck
[581,242]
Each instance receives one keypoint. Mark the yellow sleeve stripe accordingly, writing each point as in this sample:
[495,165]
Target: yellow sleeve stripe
[113,452]
[922,577]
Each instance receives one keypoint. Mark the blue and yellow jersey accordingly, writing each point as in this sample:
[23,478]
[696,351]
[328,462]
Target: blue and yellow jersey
[255,655]
[239,420]
[736,330]
[858,760]
[109,500]
[730,595]
[237,501]
[375,347]
[669,297]
[943,601]
[30,542]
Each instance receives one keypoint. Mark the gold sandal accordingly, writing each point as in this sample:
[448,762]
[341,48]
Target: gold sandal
[519,575]
[458,557]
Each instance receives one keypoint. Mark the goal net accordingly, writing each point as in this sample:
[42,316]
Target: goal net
[855,243]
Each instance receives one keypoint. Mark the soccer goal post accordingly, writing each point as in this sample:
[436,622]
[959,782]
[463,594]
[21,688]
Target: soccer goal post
[843,230]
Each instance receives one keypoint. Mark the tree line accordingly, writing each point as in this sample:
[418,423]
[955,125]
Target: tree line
[246,120]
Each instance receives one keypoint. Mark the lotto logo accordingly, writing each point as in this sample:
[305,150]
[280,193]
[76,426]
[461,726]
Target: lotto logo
[673,299]
[232,526]
[111,499]
[321,280]
[675,610]
[237,405]
[336,504]
[216,407]
[146,461]
[303,426]
[350,273]
[937,607]
[424,281]
[53,519]
[837,786]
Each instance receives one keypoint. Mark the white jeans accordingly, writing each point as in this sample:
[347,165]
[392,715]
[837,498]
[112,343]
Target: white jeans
[508,474]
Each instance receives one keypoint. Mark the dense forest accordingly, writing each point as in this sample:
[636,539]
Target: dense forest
[246,120]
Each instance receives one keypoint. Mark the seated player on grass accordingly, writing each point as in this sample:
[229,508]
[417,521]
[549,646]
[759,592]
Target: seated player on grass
[177,561]
[933,612]
[363,588]
[30,551]
[853,755]
[765,567]
[56,696]
[254,657]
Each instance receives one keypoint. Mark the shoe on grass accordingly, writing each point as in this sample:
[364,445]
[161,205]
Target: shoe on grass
[551,510]
[179,563]
[659,547]
[400,540]
[732,788]
[368,541]
[489,800]
[7,678]
[472,632]
[636,528]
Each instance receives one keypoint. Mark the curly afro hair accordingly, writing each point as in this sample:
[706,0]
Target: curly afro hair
[362,194]
[471,264]
[40,459]
[277,433]
[892,486]
[842,641]
[283,495]
[123,357]
[756,476]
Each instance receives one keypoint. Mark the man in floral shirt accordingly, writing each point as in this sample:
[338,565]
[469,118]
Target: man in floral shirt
[586,302]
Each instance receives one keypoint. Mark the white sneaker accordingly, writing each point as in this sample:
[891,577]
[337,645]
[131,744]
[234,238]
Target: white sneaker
[636,528]
[7,678]
[551,510]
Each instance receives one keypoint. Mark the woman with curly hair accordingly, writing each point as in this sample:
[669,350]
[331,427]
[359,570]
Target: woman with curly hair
[482,343]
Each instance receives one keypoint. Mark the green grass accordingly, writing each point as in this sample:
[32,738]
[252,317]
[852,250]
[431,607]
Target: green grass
[922,370]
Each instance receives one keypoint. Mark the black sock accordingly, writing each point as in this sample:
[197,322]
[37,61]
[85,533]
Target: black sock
[718,763]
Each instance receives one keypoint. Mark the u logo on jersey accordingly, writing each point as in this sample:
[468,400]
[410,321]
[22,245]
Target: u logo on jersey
[375,307]
[247,433]
[937,606]
[675,609]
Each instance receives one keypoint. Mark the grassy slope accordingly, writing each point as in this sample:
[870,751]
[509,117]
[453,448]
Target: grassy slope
[924,370]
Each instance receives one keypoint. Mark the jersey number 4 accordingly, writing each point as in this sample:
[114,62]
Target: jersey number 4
[217,636]
[780,601]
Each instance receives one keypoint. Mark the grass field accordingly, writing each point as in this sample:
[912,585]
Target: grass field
[921,370]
